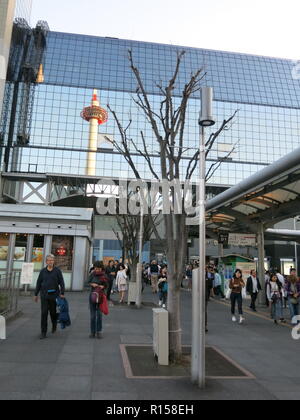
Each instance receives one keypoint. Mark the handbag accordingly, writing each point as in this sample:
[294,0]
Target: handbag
[294,301]
[104,305]
[228,293]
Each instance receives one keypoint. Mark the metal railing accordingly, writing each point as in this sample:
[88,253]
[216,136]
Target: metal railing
[9,293]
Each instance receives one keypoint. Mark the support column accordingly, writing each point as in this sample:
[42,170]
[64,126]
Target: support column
[47,247]
[80,274]
[261,261]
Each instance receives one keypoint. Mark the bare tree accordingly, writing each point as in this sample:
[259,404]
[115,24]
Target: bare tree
[168,125]
[130,227]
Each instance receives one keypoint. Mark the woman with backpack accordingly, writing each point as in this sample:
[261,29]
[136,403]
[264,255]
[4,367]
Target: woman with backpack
[98,282]
[122,281]
[274,295]
[236,285]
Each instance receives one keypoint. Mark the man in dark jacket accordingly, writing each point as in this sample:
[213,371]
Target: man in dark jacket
[50,285]
[253,288]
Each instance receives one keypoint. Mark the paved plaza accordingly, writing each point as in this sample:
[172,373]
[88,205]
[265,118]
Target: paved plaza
[69,365]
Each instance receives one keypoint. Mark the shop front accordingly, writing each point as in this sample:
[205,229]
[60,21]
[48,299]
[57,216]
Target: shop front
[29,233]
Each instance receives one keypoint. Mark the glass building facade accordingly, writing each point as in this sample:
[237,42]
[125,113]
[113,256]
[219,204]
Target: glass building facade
[262,89]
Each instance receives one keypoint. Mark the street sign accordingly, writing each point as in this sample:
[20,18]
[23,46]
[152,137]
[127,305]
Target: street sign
[242,239]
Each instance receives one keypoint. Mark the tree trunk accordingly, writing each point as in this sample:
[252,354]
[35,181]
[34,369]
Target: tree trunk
[175,332]
[176,233]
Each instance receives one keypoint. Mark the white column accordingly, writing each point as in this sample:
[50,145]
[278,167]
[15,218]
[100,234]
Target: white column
[93,145]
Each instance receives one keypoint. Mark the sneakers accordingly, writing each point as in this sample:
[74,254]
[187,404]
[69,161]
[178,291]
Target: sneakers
[99,335]
[234,319]
[160,303]
[241,320]
[164,306]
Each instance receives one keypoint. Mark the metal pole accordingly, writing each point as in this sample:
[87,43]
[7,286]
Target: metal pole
[202,257]
[195,326]
[296,247]
[138,301]
[261,261]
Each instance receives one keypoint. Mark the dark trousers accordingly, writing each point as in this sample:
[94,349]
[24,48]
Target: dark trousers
[236,297]
[109,289]
[48,305]
[253,300]
[218,292]
[96,318]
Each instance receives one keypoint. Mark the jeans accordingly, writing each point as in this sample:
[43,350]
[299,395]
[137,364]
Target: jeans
[236,297]
[294,309]
[48,305]
[277,310]
[96,318]
[163,296]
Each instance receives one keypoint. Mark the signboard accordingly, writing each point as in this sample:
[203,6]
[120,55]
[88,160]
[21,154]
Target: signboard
[27,273]
[223,238]
[241,239]
[246,268]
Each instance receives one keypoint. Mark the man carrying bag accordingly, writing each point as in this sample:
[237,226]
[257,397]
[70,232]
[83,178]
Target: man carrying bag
[50,285]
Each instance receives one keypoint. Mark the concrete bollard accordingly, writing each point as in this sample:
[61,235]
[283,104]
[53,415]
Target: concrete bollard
[2,328]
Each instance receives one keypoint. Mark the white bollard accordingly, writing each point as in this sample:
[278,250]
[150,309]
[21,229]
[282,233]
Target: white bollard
[2,328]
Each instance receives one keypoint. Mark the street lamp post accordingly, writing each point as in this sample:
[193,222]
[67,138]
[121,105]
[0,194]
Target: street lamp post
[199,302]
[140,263]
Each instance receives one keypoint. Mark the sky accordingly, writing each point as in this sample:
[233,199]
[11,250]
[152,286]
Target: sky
[262,27]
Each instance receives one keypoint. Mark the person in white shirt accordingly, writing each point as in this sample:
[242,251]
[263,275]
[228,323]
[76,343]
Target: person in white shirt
[274,295]
[283,282]
[253,288]
[122,282]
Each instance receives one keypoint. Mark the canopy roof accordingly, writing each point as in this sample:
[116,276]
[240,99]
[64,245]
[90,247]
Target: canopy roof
[269,196]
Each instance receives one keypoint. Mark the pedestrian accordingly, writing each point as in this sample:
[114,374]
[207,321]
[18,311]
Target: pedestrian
[122,282]
[293,294]
[209,287]
[154,270]
[50,285]
[189,276]
[284,293]
[267,279]
[274,295]
[98,282]
[111,272]
[253,288]
[210,279]
[236,285]
[218,285]
[163,287]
